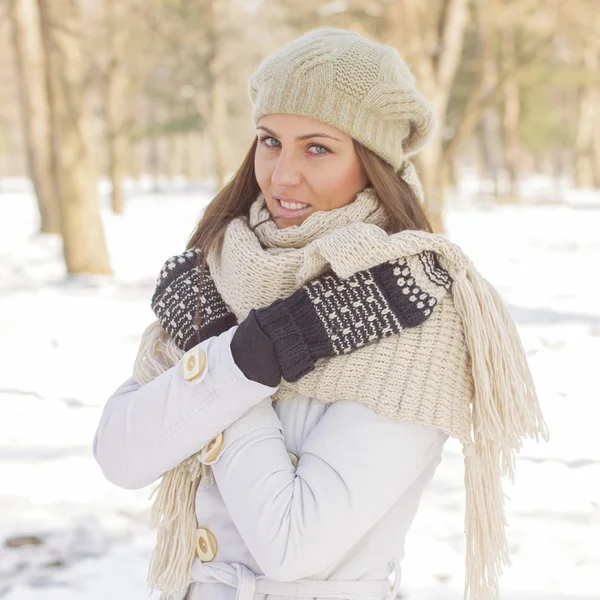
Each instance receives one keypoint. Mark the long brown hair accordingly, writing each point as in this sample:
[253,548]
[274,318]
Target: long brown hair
[399,200]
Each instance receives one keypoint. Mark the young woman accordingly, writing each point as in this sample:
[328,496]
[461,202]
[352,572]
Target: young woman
[315,346]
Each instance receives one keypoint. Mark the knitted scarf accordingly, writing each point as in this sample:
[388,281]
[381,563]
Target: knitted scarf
[463,370]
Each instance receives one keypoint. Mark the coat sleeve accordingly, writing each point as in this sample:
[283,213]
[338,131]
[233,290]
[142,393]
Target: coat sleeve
[354,466]
[146,430]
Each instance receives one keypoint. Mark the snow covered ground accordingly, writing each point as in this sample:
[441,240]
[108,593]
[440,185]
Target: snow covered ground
[66,533]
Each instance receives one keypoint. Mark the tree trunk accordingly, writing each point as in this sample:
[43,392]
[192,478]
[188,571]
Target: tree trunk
[217,101]
[596,142]
[217,130]
[511,114]
[116,171]
[134,143]
[84,245]
[173,163]
[136,158]
[511,138]
[490,141]
[431,170]
[151,164]
[584,140]
[35,114]
[584,176]
[115,95]
[186,155]
[487,49]
[480,155]
[435,74]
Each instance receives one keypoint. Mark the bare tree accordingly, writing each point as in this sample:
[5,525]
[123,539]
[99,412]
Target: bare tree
[486,15]
[588,107]
[34,107]
[510,117]
[84,245]
[214,106]
[434,34]
[115,82]
[596,147]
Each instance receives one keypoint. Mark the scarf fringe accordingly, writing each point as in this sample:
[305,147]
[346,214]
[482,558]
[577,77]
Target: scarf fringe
[173,510]
[505,409]
[157,353]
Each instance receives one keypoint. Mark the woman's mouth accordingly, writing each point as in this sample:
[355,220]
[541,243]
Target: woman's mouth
[291,209]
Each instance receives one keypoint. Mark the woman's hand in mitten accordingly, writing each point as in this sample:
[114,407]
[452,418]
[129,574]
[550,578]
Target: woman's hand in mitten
[332,316]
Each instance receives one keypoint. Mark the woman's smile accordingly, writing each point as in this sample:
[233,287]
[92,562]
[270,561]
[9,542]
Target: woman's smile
[290,208]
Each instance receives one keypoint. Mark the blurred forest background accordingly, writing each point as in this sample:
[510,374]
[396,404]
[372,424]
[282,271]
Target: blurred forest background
[120,119]
[122,88]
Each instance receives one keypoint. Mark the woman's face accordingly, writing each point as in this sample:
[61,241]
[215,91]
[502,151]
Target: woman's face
[303,165]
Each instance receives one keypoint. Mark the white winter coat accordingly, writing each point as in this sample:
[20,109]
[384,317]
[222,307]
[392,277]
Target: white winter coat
[340,516]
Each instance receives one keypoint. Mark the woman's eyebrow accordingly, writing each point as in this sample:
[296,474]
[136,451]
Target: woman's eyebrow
[301,137]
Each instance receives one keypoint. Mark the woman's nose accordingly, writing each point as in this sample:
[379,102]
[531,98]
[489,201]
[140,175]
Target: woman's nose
[286,172]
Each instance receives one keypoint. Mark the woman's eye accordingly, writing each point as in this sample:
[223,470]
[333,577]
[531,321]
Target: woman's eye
[266,141]
[319,149]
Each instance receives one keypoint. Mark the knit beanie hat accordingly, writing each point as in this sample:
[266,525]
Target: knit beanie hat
[341,78]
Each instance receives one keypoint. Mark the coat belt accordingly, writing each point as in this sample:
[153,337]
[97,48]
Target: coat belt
[247,583]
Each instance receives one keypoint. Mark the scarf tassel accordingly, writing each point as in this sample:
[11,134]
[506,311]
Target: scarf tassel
[173,510]
[505,409]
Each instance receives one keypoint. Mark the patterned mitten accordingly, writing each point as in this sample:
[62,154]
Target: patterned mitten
[332,316]
[179,294]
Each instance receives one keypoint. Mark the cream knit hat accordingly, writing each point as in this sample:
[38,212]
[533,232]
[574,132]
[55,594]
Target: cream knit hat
[349,82]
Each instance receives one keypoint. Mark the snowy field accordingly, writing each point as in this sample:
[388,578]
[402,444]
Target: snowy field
[68,534]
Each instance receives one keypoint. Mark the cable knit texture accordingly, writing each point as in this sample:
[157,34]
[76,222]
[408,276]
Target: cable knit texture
[350,82]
